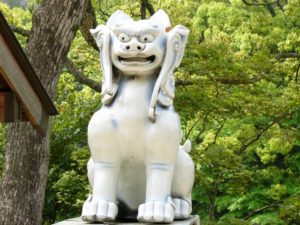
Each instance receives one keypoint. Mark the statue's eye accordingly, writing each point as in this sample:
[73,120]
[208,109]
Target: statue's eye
[124,37]
[146,38]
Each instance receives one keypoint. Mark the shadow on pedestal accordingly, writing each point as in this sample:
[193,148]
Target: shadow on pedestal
[193,220]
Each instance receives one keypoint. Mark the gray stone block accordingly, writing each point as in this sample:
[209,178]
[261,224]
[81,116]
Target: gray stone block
[193,220]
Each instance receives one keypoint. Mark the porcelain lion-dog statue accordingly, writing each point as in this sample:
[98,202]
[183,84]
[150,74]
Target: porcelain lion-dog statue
[138,169]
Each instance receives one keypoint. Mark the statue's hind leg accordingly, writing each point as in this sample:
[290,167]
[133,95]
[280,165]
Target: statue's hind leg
[182,185]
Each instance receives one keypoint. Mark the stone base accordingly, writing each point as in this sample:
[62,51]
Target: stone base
[193,220]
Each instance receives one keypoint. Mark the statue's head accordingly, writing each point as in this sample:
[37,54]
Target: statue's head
[138,46]
[145,47]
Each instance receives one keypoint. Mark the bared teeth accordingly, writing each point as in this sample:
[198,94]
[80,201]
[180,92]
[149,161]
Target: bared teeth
[134,60]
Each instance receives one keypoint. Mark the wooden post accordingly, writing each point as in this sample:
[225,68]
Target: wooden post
[10,110]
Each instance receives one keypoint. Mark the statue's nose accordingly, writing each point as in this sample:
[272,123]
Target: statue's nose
[134,46]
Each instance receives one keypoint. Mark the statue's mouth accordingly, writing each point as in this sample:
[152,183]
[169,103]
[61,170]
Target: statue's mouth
[136,60]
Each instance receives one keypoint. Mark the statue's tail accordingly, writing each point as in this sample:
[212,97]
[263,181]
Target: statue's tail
[187,146]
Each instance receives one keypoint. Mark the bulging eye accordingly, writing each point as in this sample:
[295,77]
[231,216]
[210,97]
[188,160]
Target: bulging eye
[124,37]
[146,38]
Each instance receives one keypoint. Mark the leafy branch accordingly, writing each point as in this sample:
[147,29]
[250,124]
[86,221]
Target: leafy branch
[297,73]
[89,21]
[204,120]
[20,30]
[203,129]
[261,209]
[145,5]
[81,78]
[286,55]
[262,131]
[255,2]
[237,81]
[218,131]
[266,4]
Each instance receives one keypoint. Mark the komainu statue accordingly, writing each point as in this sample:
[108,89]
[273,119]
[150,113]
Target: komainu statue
[138,169]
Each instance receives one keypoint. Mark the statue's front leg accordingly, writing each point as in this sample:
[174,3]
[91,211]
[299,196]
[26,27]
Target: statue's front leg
[158,206]
[101,206]
[162,141]
[104,169]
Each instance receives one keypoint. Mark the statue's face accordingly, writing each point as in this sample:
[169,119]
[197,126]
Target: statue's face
[137,47]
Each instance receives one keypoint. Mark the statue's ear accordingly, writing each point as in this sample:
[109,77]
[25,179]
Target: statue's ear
[160,17]
[118,17]
[164,88]
[102,37]
[98,33]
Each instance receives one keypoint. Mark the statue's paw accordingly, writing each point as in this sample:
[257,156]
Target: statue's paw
[156,212]
[183,208]
[98,211]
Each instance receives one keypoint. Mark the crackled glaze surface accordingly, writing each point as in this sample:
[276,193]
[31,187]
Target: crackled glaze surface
[138,168]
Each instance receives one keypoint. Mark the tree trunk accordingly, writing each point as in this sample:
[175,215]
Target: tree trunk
[23,185]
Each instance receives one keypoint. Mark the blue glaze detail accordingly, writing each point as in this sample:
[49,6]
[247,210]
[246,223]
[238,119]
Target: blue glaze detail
[114,123]
[160,166]
[162,43]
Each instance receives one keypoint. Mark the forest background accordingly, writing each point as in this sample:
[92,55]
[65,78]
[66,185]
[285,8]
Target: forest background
[237,94]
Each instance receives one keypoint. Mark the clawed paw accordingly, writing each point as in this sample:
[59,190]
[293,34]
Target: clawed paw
[156,211]
[183,208]
[98,211]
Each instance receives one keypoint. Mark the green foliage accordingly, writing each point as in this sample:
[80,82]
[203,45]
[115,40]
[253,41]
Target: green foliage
[17,17]
[246,136]
[289,210]
[240,110]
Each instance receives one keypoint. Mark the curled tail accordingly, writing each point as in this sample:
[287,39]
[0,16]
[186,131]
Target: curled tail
[187,146]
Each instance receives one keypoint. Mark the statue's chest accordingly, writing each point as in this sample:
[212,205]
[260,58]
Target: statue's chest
[129,116]
[133,99]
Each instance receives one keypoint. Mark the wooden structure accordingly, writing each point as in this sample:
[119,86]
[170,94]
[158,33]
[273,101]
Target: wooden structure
[22,96]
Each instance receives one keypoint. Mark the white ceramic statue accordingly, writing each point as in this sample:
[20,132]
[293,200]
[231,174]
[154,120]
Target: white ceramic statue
[138,168]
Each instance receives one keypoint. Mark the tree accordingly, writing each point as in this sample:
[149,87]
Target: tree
[23,185]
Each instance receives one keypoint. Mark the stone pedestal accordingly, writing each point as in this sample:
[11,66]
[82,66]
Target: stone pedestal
[193,220]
